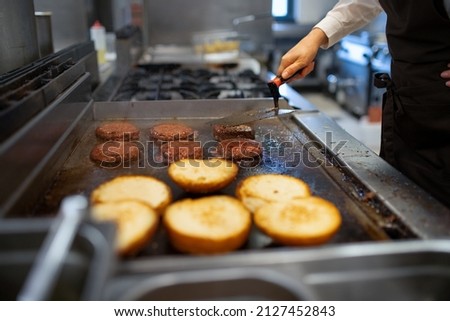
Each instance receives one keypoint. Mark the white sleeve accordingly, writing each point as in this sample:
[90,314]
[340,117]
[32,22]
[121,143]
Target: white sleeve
[346,17]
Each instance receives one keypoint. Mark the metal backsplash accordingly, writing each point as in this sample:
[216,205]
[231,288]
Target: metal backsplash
[174,21]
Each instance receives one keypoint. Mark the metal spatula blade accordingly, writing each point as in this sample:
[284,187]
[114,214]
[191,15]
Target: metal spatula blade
[250,116]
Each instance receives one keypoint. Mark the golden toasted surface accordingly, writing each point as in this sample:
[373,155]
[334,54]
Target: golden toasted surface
[208,225]
[136,223]
[203,176]
[256,191]
[146,189]
[307,221]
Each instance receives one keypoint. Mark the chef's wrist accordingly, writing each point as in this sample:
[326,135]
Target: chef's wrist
[319,37]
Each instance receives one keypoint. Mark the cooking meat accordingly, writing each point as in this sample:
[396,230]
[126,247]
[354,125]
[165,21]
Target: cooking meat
[239,148]
[182,149]
[222,132]
[117,130]
[112,153]
[170,132]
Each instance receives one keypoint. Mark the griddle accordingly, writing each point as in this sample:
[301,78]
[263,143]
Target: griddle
[288,149]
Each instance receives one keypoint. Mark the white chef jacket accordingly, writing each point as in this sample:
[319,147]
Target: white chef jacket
[348,16]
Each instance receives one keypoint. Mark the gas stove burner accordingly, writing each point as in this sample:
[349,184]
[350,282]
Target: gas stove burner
[173,82]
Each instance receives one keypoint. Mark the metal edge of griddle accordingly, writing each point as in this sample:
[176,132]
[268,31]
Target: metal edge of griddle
[43,167]
[420,212]
[199,109]
[287,257]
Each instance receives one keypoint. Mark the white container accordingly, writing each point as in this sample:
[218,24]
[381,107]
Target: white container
[98,35]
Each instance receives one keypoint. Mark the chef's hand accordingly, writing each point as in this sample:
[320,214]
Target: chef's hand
[302,55]
[446,76]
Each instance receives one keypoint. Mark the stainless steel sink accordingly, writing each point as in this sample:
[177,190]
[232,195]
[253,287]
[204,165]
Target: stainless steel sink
[401,270]
[85,270]
[243,284]
[418,270]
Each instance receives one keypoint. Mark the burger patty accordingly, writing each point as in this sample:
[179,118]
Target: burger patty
[182,149]
[114,153]
[222,132]
[171,132]
[117,130]
[239,148]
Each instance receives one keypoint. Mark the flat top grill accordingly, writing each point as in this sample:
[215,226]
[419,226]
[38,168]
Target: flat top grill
[287,150]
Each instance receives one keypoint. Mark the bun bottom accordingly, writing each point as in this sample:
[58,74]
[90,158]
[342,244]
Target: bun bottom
[208,225]
[309,221]
[136,224]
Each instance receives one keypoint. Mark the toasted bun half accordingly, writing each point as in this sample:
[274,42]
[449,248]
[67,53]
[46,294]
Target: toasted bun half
[308,221]
[208,225]
[136,223]
[146,189]
[203,176]
[256,191]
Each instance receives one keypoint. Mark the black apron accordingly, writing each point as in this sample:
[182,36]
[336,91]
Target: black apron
[416,106]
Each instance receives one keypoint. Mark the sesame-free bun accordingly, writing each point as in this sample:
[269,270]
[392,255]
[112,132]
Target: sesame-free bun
[258,190]
[203,176]
[136,223]
[307,221]
[207,225]
[146,189]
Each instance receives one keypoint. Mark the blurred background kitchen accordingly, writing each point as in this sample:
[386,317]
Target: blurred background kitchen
[142,31]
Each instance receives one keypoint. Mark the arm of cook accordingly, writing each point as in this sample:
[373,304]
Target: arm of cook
[346,17]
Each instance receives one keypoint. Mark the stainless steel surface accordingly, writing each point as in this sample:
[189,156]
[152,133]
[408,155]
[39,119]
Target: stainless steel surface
[44,32]
[401,270]
[49,261]
[26,166]
[24,97]
[18,45]
[88,264]
[69,21]
[165,26]
[250,116]
[220,284]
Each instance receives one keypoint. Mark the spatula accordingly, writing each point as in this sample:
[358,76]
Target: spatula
[249,116]
[254,115]
[275,84]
